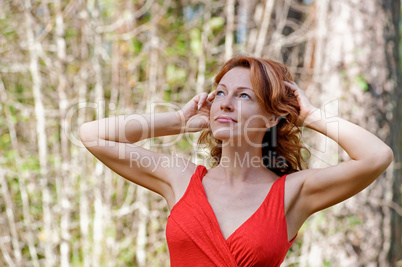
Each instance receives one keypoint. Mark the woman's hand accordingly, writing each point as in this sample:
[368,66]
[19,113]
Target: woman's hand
[196,112]
[306,108]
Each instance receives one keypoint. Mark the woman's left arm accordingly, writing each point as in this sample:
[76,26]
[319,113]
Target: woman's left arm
[369,155]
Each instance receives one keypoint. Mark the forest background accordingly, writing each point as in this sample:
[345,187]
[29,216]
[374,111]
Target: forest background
[63,63]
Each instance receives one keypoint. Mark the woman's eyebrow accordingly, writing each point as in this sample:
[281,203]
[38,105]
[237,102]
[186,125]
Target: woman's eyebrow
[240,87]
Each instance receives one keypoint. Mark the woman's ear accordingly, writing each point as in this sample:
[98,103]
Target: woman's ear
[272,121]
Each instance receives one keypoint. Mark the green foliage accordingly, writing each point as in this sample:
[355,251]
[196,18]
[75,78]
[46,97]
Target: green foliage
[71,33]
[361,82]
[168,94]
[216,23]
[14,187]
[136,46]
[353,221]
[5,141]
[195,41]
[10,155]
[184,145]
[7,30]
[175,74]
[305,154]
[30,163]
[126,257]
[179,48]
[107,8]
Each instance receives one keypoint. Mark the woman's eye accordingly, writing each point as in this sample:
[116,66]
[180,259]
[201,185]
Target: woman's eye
[219,92]
[244,96]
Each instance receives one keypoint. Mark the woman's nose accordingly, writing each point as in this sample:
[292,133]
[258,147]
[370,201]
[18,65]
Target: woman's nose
[227,104]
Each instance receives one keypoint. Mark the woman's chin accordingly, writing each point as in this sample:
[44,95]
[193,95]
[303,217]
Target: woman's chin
[226,137]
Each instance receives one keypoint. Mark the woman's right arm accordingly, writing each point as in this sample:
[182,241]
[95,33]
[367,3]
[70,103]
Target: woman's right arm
[110,140]
[131,128]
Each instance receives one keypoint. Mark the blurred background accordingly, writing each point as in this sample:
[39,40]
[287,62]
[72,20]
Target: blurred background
[63,63]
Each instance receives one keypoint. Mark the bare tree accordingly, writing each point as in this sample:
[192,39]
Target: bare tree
[356,73]
[34,50]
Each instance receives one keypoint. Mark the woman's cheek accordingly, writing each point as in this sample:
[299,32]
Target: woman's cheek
[213,109]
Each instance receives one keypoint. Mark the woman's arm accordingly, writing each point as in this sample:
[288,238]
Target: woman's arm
[131,128]
[360,144]
[369,158]
[136,127]
[369,155]
[110,140]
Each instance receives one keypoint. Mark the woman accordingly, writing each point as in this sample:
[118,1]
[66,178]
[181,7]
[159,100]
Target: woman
[247,210]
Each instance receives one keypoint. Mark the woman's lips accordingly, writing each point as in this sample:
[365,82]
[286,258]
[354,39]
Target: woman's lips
[224,119]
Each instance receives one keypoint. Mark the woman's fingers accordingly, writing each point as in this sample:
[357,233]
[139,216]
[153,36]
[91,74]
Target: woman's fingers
[202,99]
[292,85]
[211,95]
[305,105]
[299,93]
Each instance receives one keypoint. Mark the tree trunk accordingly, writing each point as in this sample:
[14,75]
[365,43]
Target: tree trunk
[48,233]
[356,73]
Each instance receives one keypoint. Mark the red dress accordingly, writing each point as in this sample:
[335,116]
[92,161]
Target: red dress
[194,237]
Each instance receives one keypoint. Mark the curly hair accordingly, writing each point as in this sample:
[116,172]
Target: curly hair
[281,147]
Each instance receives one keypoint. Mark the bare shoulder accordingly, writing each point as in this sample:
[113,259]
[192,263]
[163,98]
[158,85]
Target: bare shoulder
[179,177]
[293,187]
[296,214]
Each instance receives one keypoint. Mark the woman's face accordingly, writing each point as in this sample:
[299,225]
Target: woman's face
[235,112]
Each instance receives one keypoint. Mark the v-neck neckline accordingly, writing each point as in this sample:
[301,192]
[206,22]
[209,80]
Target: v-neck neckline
[247,220]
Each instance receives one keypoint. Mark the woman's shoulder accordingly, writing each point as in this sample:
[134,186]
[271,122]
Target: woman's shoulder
[180,178]
[294,183]
[183,171]
[297,176]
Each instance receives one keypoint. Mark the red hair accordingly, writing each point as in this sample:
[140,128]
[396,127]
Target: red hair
[284,153]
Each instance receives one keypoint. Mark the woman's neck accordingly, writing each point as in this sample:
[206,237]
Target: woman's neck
[240,163]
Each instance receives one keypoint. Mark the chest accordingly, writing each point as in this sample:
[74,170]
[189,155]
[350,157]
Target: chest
[234,206]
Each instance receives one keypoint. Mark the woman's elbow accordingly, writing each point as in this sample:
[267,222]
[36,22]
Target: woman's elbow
[384,158]
[389,155]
